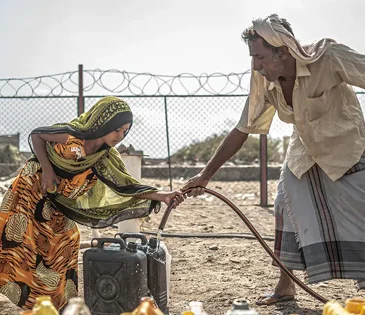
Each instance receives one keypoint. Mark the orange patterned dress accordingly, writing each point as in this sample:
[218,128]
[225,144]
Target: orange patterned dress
[39,245]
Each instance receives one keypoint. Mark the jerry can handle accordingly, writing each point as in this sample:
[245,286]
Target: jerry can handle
[125,236]
[101,241]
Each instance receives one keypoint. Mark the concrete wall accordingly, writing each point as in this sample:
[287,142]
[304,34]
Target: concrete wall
[226,173]
[10,139]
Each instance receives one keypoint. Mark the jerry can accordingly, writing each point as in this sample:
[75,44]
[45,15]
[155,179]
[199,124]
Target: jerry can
[158,266]
[157,273]
[353,306]
[241,307]
[196,307]
[147,306]
[43,306]
[76,306]
[115,279]
[356,306]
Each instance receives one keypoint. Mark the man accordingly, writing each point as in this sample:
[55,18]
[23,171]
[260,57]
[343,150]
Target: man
[320,206]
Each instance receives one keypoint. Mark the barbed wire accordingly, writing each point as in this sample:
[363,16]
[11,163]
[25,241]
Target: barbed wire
[127,83]
[48,85]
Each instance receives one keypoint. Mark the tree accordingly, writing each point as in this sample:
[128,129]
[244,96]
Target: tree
[204,150]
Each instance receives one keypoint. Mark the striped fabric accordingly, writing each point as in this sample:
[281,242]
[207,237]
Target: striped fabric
[320,224]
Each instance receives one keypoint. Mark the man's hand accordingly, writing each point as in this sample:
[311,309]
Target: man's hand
[194,182]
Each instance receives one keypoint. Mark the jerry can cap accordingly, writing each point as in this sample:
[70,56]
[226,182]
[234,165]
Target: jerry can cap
[132,246]
[152,242]
[240,304]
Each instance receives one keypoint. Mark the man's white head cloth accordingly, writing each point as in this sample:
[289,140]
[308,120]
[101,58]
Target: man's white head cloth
[271,29]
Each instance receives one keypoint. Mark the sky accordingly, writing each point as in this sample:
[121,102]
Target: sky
[42,37]
[164,37]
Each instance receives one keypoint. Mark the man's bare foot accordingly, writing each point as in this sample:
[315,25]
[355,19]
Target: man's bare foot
[284,291]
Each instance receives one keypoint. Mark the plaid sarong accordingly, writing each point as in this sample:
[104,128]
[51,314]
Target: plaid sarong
[320,224]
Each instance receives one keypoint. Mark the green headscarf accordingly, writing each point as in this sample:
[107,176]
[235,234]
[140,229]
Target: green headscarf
[113,197]
[107,115]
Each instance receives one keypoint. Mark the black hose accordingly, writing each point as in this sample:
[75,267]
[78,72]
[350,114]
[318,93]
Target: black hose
[210,235]
[254,232]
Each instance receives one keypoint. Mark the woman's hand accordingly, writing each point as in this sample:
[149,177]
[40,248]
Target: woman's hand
[49,181]
[177,196]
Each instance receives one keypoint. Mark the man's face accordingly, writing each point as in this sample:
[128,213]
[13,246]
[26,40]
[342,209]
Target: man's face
[265,61]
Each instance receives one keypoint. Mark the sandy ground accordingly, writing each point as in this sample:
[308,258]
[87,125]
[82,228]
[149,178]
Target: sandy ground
[215,270]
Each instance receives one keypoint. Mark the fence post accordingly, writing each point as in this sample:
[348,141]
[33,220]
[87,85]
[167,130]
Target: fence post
[80,101]
[168,140]
[263,170]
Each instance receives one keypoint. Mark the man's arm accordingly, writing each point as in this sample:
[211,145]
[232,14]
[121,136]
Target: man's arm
[228,148]
[348,65]
[231,144]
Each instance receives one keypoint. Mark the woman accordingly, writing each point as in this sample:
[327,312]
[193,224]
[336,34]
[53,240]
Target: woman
[75,174]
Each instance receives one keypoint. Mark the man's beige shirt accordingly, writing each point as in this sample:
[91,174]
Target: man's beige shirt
[328,122]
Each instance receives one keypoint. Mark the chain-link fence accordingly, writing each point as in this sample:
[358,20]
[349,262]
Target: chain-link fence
[179,122]
[166,129]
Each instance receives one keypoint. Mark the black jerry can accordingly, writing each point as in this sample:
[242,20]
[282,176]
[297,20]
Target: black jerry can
[115,279]
[157,273]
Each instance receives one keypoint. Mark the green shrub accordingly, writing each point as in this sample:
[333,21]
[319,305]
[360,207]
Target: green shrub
[204,150]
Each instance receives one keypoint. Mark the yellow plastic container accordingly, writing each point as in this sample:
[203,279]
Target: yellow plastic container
[334,308]
[44,306]
[146,307]
[353,306]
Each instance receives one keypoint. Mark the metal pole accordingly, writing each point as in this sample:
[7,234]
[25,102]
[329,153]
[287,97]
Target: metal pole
[80,102]
[263,170]
[168,141]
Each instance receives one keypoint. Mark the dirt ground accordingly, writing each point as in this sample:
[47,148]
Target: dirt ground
[218,270]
